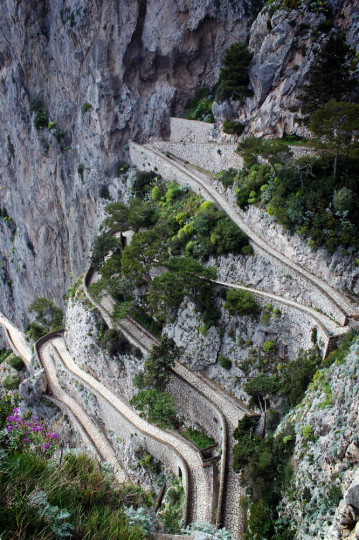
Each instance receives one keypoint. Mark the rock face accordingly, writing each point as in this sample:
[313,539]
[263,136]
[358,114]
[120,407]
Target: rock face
[105,71]
[326,455]
[284,49]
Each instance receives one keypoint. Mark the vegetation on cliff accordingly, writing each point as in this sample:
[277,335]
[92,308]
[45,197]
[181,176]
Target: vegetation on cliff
[47,494]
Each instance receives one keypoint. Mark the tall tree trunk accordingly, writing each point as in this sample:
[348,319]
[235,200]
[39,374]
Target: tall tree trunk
[336,165]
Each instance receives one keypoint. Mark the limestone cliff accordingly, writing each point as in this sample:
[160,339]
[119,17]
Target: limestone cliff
[129,62]
[285,43]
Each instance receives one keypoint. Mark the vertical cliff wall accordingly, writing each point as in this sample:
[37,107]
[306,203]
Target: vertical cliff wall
[132,61]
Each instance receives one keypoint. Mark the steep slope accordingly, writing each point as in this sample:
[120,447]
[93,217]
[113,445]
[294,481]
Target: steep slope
[104,71]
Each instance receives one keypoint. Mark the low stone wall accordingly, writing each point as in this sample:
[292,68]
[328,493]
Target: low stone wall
[190,130]
[196,407]
[212,157]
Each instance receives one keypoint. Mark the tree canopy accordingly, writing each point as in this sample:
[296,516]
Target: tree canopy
[233,77]
[330,76]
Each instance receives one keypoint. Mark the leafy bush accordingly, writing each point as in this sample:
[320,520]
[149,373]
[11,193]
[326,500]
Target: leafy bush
[4,353]
[227,177]
[269,346]
[200,106]
[200,438]
[143,182]
[114,342]
[341,352]
[86,107]
[11,383]
[41,118]
[225,362]
[16,362]
[240,302]
[156,407]
[159,365]
[47,314]
[36,331]
[141,518]
[209,529]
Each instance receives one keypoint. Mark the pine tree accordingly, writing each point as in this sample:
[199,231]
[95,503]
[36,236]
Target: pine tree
[330,77]
[233,77]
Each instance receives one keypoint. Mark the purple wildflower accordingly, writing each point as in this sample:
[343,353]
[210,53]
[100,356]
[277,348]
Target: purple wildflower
[47,434]
[53,435]
[46,445]
[26,440]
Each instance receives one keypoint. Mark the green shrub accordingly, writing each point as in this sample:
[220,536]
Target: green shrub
[16,362]
[233,77]
[41,115]
[11,383]
[143,182]
[36,331]
[157,407]
[240,302]
[114,342]
[225,362]
[156,193]
[86,107]
[247,250]
[227,177]
[4,353]
[307,433]
[200,107]
[47,314]
[269,346]
[200,438]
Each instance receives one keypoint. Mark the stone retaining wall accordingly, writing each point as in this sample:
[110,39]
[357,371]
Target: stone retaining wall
[212,157]
[146,160]
[190,130]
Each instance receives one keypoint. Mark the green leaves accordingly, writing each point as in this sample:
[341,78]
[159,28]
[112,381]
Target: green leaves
[240,302]
[330,77]
[160,363]
[47,314]
[157,407]
[145,249]
[233,77]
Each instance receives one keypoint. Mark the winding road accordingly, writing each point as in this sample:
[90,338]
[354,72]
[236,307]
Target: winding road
[44,353]
[232,410]
[339,307]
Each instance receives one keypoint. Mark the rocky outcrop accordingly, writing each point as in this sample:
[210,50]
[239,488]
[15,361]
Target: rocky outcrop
[284,49]
[105,71]
[326,455]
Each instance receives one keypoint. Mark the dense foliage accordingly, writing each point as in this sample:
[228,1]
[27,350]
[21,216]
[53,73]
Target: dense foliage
[200,438]
[233,77]
[157,407]
[331,77]
[160,363]
[305,197]
[200,106]
[174,228]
